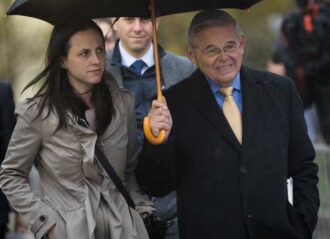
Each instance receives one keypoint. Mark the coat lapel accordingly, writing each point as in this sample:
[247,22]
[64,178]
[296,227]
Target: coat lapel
[204,100]
[113,60]
[251,97]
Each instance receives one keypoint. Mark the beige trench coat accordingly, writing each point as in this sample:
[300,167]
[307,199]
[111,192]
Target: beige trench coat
[72,182]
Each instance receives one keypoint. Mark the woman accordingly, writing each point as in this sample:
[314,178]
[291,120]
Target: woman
[78,200]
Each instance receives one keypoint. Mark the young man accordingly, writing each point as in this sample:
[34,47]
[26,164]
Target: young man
[132,65]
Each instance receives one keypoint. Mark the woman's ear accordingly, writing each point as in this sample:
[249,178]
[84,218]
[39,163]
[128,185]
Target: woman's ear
[62,62]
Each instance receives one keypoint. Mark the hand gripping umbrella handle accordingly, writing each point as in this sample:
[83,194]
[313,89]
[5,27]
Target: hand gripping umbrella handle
[146,122]
[148,133]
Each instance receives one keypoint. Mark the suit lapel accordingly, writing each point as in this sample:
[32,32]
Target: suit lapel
[113,61]
[251,97]
[204,100]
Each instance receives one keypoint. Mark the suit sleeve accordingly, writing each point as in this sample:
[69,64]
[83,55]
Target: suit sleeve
[142,201]
[23,149]
[302,169]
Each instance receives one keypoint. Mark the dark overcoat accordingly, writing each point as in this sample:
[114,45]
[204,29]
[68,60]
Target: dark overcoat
[227,190]
[7,124]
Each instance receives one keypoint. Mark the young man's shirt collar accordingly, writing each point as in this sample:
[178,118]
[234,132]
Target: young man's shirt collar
[128,60]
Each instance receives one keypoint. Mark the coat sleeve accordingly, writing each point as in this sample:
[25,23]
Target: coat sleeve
[22,150]
[142,201]
[157,169]
[7,118]
[302,169]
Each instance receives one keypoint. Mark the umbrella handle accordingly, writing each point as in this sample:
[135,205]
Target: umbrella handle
[146,122]
[149,135]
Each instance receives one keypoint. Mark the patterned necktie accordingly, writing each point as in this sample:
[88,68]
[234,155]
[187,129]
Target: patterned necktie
[232,113]
[137,66]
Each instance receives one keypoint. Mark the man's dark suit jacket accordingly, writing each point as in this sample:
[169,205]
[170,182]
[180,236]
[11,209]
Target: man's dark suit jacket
[232,191]
[7,123]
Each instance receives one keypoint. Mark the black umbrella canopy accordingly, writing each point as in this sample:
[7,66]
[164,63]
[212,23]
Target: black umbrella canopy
[54,11]
[57,11]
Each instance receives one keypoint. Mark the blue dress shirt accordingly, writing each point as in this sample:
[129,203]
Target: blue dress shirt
[220,98]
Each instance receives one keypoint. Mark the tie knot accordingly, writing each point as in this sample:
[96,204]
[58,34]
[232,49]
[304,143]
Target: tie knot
[226,91]
[137,66]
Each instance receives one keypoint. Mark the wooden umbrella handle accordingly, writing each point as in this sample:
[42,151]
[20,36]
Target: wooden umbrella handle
[146,122]
[149,135]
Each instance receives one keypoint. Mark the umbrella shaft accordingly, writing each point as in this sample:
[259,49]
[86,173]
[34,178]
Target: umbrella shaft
[156,55]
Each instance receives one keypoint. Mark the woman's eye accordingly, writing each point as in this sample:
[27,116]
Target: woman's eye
[84,53]
[100,50]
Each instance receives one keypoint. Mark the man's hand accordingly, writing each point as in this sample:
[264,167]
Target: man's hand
[160,118]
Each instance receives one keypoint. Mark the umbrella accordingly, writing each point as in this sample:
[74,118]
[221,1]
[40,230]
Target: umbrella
[54,11]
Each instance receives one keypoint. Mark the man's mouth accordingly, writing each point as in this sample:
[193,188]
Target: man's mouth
[223,68]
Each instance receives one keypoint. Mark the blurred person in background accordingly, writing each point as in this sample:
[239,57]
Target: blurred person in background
[303,54]
[132,64]
[109,33]
[7,124]
[77,106]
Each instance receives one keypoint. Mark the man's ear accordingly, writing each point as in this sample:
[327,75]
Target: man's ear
[114,25]
[191,54]
[242,43]
[157,22]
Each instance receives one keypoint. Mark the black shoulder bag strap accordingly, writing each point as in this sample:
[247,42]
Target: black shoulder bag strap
[113,175]
[110,171]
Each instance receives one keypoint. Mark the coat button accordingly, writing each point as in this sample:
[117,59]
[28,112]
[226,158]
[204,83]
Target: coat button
[243,170]
[42,218]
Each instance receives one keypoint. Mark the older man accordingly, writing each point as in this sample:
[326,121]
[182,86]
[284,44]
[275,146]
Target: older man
[237,135]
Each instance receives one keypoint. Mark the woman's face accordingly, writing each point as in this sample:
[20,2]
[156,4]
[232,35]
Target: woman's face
[85,60]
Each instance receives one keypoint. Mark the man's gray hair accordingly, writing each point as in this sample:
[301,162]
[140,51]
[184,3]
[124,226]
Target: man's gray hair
[207,18]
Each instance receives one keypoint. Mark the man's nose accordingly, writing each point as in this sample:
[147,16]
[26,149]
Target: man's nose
[137,25]
[222,55]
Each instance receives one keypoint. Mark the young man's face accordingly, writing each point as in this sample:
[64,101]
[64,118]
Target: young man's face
[135,34]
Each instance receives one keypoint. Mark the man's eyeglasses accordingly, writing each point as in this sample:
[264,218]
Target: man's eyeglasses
[214,51]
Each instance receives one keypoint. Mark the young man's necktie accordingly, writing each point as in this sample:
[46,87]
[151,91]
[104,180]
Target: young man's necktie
[138,66]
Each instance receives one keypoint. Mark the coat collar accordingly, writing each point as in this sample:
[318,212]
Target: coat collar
[204,100]
[114,63]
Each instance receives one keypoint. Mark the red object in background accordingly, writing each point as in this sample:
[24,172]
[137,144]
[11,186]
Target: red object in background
[308,23]
[313,10]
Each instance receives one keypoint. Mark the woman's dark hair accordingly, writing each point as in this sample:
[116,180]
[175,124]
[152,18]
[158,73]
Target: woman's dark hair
[56,91]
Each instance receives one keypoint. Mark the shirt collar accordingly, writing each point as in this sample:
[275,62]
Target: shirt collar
[236,84]
[128,60]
